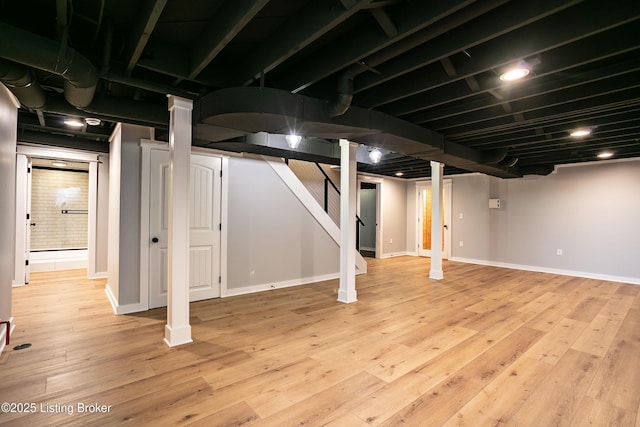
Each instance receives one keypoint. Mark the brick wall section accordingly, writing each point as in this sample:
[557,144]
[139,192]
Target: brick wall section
[53,191]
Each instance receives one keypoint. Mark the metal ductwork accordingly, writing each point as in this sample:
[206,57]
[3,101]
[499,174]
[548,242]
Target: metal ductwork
[116,110]
[235,112]
[23,84]
[345,96]
[80,76]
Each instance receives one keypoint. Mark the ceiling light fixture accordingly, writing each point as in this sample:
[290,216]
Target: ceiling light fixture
[514,74]
[578,133]
[375,155]
[59,164]
[399,173]
[74,123]
[93,121]
[605,154]
[293,140]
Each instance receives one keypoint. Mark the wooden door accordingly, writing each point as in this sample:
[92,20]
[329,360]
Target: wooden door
[424,220]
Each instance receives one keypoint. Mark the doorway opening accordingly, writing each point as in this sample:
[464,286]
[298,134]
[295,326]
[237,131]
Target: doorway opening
[59,221]
[369,214]
[423,237]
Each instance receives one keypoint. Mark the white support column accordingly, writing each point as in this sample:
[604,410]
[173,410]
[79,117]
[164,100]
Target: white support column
[436,221]
[178,330]
[347,292]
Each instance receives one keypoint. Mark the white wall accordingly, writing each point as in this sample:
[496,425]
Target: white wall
[591,212]
[272,238]
[8,137]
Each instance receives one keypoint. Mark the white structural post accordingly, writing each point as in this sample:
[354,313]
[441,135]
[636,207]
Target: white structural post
[436,221]
[178,330]
[347,292]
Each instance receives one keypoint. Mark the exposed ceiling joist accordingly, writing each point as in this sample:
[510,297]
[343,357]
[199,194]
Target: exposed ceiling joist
[143,25]
[299,31]
[544,35]
[225,25]
[499,21]
[360,44]
[560,61]
[385,22]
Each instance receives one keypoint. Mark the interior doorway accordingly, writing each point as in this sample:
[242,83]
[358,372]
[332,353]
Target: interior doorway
[368,216]
[204,227]
[424,196]
[66,223]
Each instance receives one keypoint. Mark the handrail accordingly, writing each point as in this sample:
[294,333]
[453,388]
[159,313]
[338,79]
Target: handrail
[327,179]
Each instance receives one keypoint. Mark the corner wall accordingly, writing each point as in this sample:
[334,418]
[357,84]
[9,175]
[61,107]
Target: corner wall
[124,214]
[273,241]
[589,211]
[8,138]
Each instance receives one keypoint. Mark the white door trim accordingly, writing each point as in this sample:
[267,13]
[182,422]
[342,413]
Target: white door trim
[379,217]
[447,186]
[145,198]
[27,152]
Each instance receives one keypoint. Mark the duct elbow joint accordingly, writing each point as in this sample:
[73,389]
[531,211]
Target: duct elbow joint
[345,96]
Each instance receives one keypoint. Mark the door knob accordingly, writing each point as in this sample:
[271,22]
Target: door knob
[155,240]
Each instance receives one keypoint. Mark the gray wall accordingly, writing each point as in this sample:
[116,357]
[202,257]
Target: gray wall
[368,217]
[272,238]
[591,212]
[124,213]
[8,137]
[394,216]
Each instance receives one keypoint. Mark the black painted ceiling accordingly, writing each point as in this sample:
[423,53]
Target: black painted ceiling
[435,64]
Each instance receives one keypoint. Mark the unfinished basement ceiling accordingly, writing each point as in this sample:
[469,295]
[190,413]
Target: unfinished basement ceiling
[420,80]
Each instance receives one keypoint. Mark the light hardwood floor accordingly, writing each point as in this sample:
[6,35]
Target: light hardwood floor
[484,346]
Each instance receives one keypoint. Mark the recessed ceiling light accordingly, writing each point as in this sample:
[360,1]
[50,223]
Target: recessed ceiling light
[293,140]
[93,121]
[605,154]
[75,123]
[399,173]
[514,74]
[375,155]
[59,164]
[580,132]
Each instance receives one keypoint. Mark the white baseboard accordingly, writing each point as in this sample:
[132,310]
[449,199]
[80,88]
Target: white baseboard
[279,285]
[58,260]
[395,254]
[57,265]
[98,275]
[586,275]
[126,308]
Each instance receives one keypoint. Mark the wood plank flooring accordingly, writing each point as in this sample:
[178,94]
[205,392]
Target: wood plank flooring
[483,347]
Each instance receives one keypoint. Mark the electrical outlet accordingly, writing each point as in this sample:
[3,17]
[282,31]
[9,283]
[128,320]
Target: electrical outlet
[390,240]
[461,216]
[461,243]
[558,251]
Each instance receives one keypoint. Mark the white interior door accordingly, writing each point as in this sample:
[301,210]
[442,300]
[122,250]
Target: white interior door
[204,226]
[424,220]
[23,220]
[27,243]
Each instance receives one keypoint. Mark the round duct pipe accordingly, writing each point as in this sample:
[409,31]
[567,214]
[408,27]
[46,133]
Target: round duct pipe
[44,54]
[22,83]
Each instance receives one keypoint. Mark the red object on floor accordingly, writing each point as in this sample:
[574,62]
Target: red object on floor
[6,338]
